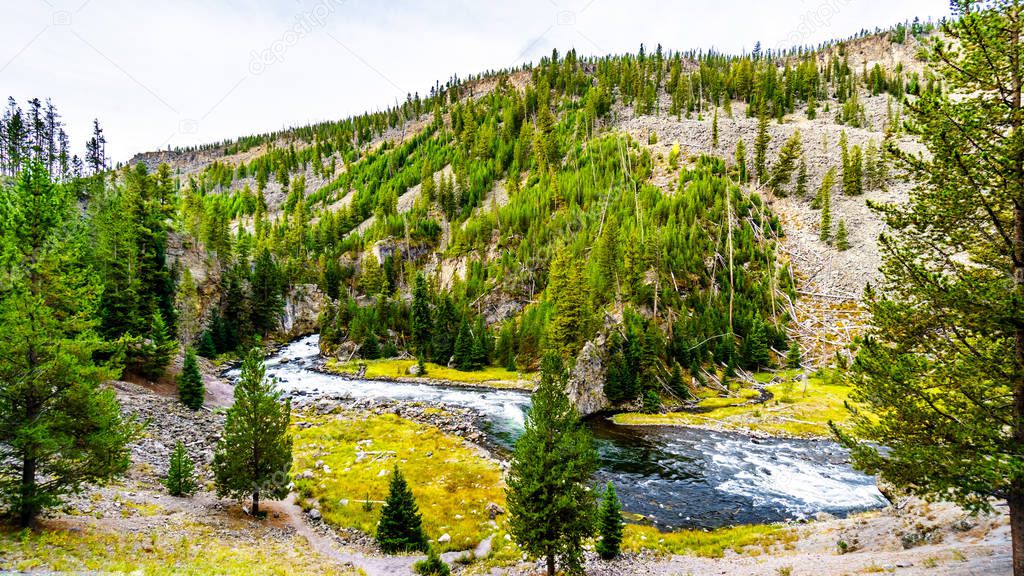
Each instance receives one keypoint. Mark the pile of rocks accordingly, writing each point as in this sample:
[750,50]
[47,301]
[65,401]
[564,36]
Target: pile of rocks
[168,422]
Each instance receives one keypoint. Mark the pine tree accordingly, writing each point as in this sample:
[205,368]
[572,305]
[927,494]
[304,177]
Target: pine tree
[940,375]
[755,346]
[207,348]
[482,344]
[568,292]
[782,171]
[793,358]
[266,304]
[842,239]
[371,277]
[825,202]
[610,524]
[676,383]
[370,350]
[741,160]
[844,150]
[58,421]
[400,528]
[801,179]
[191,391]
[446,327]
[421,324]
[714,130]
[761,144]
[549,499]
[652,402]
[254,455]
[464,347]
[180,480]
[856,181]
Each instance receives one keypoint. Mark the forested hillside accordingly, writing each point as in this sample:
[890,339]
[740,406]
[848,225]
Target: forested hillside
[503,214]
[537,207]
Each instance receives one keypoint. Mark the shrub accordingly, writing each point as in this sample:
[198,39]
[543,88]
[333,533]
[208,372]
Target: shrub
[432,565]
[180,479]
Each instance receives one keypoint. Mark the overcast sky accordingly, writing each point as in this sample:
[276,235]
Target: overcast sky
[192,71]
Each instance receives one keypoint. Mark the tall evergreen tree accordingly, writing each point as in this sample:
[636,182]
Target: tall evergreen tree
[446,328]
[207,348]
[761,144]
[60,427]
[422,326]
[609,524]
[549,495]
[714,130]
[569,293]
[801,179]
[741,160]
[254,455]
[191,391]
[464,347]
[782,171]
[370,350]
[755,346]
[266,303]
[825,203]
[400,528]
[940,374]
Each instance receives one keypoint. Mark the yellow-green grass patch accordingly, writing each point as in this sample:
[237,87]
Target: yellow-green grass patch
[191,549]
[748,539]
[451,480]
[490,376]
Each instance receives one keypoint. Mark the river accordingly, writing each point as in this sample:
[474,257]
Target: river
[675,477]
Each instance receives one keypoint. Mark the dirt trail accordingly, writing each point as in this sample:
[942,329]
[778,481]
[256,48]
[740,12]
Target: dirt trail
[369,562]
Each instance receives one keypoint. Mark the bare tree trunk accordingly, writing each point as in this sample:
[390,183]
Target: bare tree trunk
[1016,502]
[1015,498]
[551,564]
[255,502]
[27,511]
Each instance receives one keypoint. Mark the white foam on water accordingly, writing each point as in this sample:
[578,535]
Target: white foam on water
[784,475]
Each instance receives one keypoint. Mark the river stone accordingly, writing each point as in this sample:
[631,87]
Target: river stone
[494,510]
[586,382]
[414,370]
[444,538]
[314,514]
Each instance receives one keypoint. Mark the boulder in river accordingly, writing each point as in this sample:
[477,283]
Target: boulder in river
[586,382]
[302,307]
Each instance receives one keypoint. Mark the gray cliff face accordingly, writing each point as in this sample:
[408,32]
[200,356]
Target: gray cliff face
[302,308]
[586,382]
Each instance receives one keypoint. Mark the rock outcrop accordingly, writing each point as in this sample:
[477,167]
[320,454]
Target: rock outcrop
[302,308]
[586,382]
